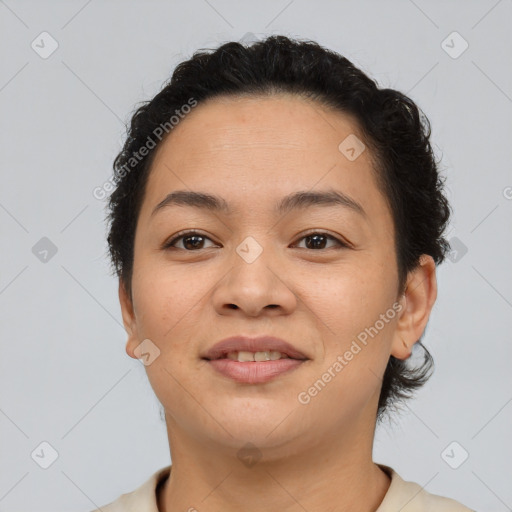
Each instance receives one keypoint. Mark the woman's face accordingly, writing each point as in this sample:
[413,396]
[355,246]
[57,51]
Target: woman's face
[254,271]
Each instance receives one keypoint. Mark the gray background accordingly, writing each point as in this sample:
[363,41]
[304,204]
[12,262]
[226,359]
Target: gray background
[65,377]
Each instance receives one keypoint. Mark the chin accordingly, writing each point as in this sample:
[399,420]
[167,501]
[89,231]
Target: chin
[273,430]
[258,445]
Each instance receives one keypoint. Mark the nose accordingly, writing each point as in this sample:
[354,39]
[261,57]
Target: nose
[255,288]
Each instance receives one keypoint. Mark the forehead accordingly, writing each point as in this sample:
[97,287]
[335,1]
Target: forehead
[256,149]
[249,124]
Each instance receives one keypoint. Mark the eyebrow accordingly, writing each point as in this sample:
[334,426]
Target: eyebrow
[297,200]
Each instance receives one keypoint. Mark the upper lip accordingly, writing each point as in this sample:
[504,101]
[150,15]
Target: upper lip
[251,344]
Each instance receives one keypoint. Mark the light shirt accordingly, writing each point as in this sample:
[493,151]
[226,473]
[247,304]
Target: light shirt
[402,495]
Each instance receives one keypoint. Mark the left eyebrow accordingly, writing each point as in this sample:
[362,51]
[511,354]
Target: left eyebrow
[306,199]
[297,200]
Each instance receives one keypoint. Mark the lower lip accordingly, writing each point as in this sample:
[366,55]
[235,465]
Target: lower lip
[254,372]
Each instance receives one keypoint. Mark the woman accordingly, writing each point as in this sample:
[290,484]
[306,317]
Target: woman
[275,227]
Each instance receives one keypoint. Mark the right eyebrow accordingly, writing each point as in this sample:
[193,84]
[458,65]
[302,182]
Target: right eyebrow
[194,199]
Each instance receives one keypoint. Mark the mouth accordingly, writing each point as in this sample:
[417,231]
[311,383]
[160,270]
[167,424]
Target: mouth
[244,356]
[262,348]
[254,360]
[254,372]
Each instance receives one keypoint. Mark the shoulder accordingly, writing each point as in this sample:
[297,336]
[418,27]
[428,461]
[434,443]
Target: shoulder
[142,499]
[411,497]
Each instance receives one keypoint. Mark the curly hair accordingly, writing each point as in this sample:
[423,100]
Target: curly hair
[395,130]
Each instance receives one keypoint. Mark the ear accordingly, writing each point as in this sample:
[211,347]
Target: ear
[417,302]
[130,325]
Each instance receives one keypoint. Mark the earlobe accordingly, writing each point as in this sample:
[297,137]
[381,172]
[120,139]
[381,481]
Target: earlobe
[128,315]
[407,350]
[417,301]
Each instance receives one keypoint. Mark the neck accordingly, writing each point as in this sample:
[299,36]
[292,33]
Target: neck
[335,475]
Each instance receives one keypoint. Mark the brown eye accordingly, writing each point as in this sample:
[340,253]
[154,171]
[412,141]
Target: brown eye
[191,240]
[318,240]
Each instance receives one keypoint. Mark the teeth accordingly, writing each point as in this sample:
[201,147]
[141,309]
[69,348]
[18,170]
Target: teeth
[244,356]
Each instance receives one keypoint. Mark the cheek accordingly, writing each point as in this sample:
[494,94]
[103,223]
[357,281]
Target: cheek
[168,308]
[356,340]
[166,296]
[347,299]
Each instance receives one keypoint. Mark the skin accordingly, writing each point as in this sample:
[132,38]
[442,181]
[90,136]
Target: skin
[252,152]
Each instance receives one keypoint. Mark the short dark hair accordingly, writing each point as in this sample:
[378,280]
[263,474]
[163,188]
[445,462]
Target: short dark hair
[395,130]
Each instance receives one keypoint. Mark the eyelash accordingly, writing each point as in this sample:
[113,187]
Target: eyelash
[183,234]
